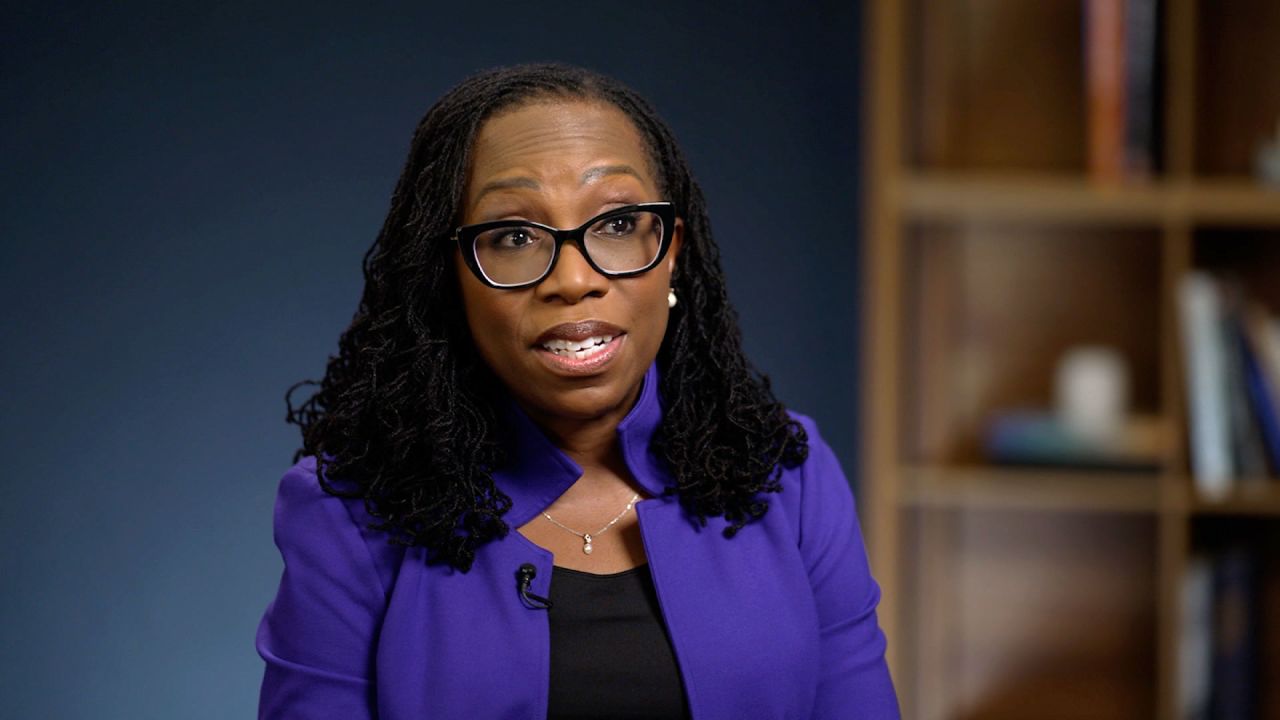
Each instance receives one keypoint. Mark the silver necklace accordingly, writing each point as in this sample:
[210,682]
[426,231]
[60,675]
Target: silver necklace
[586,537]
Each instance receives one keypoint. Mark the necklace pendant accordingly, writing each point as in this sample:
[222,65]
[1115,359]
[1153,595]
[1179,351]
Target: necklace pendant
[586,544]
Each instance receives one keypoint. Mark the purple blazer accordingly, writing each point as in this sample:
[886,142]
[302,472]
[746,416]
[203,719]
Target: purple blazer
[777,622]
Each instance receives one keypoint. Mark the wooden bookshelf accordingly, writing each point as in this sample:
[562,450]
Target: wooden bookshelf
[989,250]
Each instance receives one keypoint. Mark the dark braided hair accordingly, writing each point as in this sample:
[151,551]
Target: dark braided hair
[408,416]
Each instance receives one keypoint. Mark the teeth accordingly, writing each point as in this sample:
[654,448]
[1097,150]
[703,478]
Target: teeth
[578,349]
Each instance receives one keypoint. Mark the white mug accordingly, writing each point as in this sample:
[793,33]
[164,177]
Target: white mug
[1092,393]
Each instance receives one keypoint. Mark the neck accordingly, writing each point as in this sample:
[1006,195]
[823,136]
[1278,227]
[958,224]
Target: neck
[592,443]
[593,446]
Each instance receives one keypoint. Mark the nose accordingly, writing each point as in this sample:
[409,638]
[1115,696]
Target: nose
[572,280]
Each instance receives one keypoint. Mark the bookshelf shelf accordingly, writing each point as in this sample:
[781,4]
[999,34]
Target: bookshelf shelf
[1031,197]
[1231,202]
[995,242]
[955,196]
[996,488]
[1259,497]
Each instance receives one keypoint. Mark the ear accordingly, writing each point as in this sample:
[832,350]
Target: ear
[677,239]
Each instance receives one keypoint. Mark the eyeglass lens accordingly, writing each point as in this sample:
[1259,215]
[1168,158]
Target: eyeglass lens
[516,254]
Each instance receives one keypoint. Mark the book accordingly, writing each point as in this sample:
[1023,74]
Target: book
[1105,88]
[1200,316]
[1195,645]
[1142,85]
[1041,439]
[1272,333]
[1264,336]
[1248,444]
[1261,388]
[1233,693]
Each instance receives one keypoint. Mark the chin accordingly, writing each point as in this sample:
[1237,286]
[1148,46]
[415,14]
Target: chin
[587,403]
[590,402]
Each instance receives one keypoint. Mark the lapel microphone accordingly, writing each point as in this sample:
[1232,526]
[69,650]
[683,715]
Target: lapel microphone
[524,578]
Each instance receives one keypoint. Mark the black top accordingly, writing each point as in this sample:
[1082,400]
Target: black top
[610,654]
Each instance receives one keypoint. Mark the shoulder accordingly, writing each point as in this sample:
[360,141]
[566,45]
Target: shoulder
[816,499]
[821,474]
[338,531]
[303,506]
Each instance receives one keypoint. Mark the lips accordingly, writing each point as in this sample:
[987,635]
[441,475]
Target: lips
[581,347]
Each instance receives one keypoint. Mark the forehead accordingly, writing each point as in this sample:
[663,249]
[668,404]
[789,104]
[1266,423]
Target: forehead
[543,138]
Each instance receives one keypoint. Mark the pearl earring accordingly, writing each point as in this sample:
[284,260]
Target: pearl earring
[671,298]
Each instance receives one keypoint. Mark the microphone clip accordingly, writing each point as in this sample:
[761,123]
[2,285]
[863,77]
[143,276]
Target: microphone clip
[524,579]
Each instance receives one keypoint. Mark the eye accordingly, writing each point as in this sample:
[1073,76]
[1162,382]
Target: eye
[510,238]
[617,226]
[519,237]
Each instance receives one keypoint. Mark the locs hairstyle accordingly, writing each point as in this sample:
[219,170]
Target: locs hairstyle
[408,416]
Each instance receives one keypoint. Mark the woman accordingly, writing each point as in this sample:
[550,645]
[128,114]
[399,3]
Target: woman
[540,479]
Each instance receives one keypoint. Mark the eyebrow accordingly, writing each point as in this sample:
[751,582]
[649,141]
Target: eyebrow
[598,172]
[589,176]
[506,184]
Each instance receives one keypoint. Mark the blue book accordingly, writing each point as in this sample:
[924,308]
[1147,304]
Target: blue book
[1235,660]
[1261,397]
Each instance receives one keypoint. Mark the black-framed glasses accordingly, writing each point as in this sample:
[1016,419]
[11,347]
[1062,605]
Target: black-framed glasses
[513,254]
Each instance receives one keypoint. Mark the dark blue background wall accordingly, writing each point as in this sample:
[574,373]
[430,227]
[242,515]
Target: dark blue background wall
[187,192]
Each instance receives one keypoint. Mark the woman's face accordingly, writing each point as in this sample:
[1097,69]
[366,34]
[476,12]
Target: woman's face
[561,163]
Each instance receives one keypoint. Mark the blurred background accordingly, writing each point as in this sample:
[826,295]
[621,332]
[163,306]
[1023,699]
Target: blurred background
[1072,355]
[188,189]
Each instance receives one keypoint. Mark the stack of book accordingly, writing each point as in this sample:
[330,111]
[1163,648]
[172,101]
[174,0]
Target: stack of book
[1231,349]
[1041,439]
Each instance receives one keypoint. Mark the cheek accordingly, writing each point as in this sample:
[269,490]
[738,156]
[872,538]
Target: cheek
[492,321]
[653,312]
